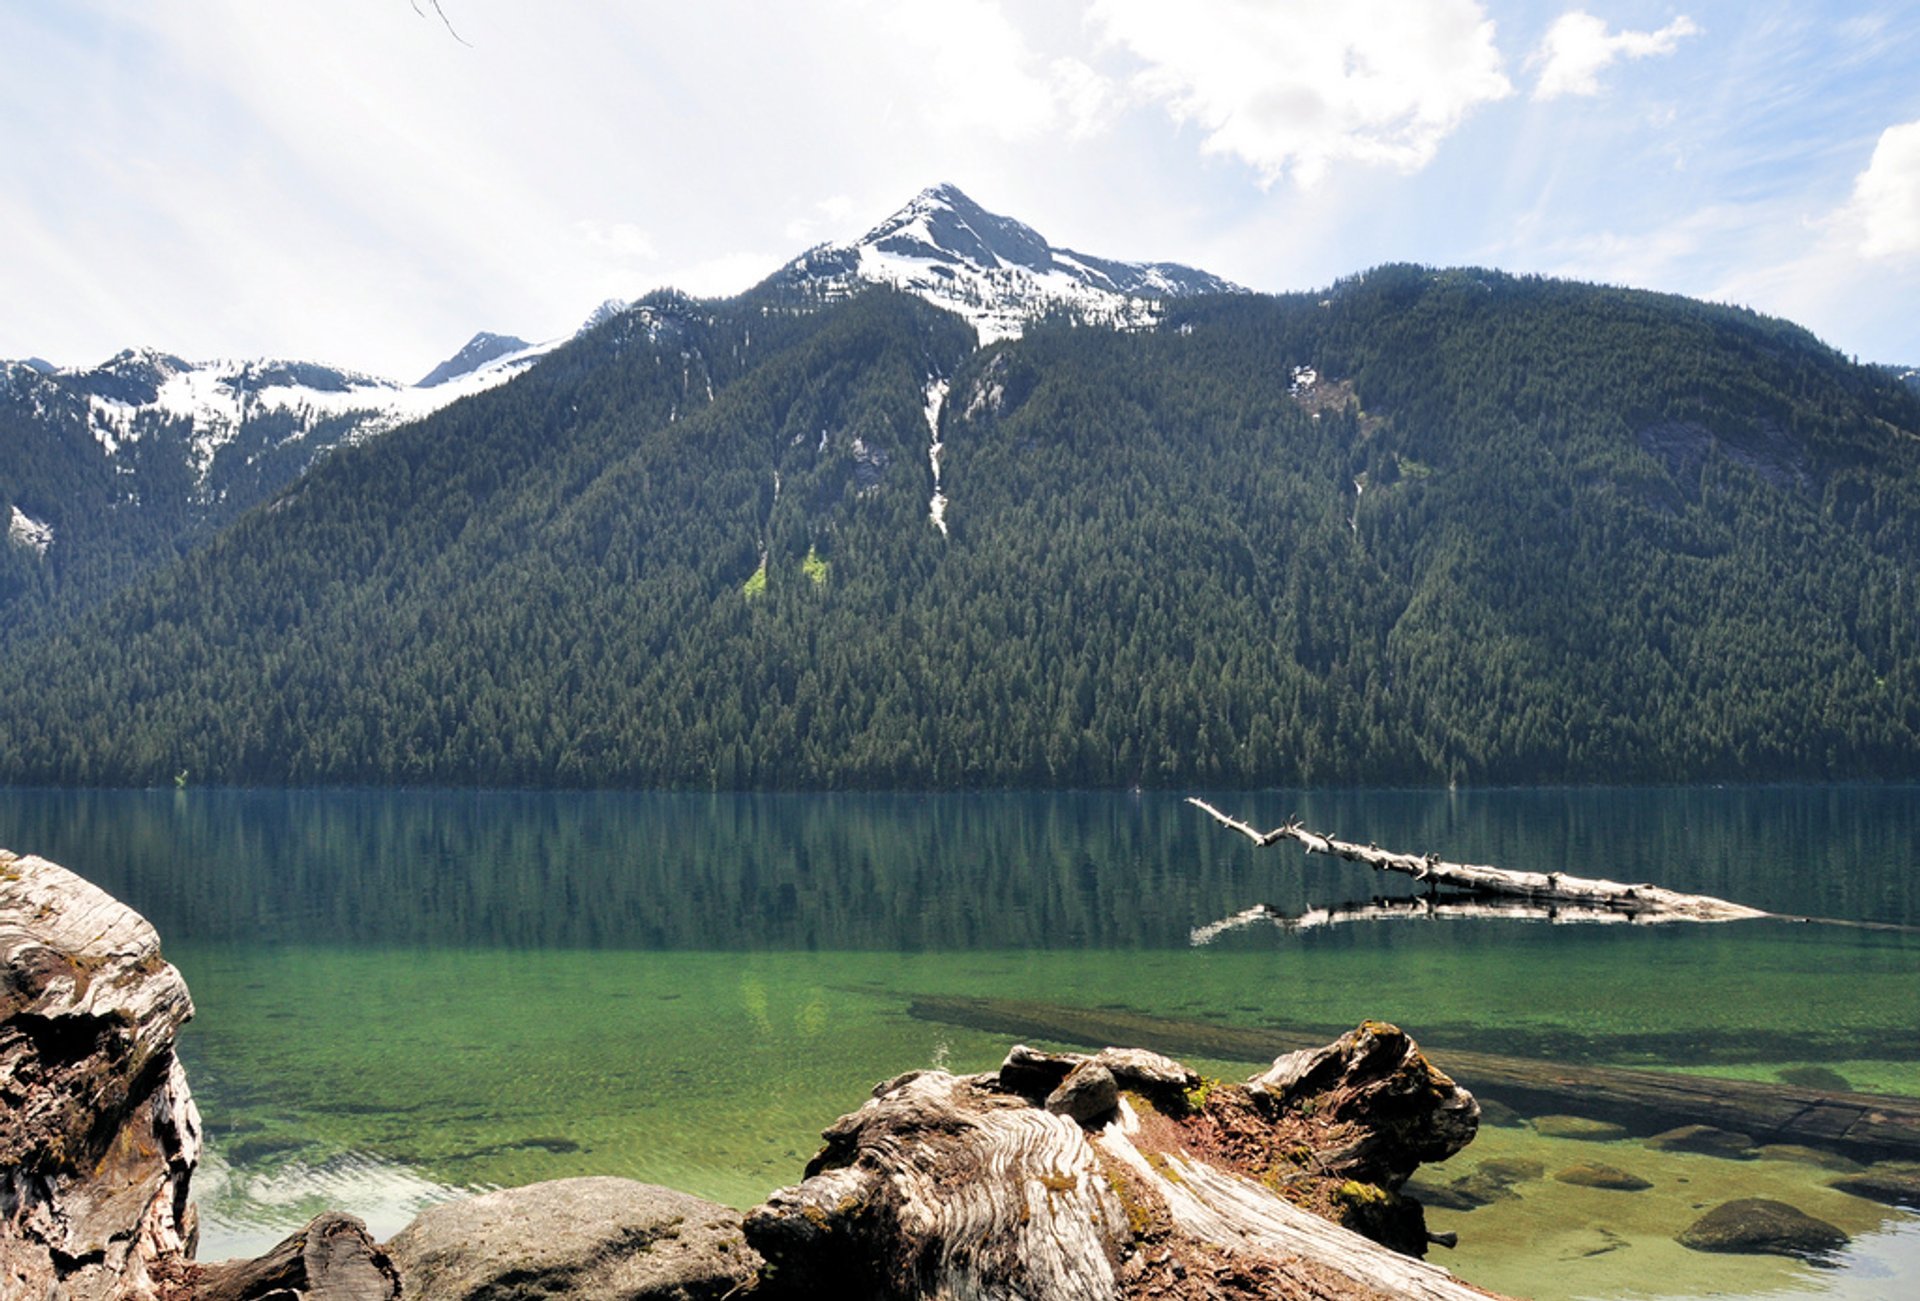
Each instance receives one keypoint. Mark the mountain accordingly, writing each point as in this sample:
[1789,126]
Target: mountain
[1422,526]
[110,470]
[995,272]
[480,350]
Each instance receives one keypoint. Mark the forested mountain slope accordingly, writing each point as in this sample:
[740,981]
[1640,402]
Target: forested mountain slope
[1425,526]
[109,472]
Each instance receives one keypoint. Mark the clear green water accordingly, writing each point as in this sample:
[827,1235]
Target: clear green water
[401,995]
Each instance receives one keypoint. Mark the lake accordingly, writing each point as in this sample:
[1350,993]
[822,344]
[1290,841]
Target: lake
[402,995]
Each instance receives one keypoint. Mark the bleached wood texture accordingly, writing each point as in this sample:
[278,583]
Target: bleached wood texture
[98,1132]
[971,1187]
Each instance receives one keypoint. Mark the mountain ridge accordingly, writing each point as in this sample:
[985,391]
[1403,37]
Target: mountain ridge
[1425,526]
[168,451]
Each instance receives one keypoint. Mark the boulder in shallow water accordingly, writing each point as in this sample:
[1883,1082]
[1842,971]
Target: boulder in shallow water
[1893,1185]
[1762,1226]
[1703,1140]
[1592,1174]
[587,1239]
[1511,1169]
[1467,1193]
[1498,1114]
[1583,1128]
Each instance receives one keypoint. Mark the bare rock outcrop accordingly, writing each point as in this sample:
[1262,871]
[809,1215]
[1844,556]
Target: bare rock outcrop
[98,1132]
[590,1239]
[1006,1184]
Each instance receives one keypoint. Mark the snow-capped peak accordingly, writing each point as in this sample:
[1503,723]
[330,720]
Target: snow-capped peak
[603,313]
[482,348]
[997,272]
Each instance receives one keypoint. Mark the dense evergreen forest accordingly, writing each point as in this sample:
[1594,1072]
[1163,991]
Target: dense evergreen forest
[121,518]
[1423,527]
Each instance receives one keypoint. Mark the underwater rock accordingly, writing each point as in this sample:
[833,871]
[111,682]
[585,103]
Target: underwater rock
[1489,1182]
[1511,1169]
[1762,1226]
[1499,1114]
[1582,1128]
[1804,1155]
[596,1238]
[1467,1193]
[1592,1174]
[332,1259]
[1893,1185]
[967,1185]
[98,1132]
[1703,1140]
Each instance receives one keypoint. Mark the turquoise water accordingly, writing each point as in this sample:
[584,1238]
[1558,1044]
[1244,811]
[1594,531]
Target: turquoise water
[402,995]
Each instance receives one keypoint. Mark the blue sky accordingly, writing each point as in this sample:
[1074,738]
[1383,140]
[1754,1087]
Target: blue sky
[348,182]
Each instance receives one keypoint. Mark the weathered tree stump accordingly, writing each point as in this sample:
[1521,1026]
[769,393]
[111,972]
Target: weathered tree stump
[979,1185]
[98,1132]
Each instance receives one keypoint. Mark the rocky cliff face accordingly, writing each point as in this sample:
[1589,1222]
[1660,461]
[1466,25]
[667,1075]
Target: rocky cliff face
[98,1132]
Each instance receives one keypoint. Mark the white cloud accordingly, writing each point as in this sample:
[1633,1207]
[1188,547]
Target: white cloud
[975,65]
[730,273]
[1086,98]
[1578,48]
[1292,87]
[1886,197]
[623,239]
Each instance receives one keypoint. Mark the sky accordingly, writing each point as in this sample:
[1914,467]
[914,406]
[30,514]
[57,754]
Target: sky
[360,183]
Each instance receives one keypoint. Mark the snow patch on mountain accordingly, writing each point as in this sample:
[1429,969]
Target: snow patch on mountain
[996,272]
[936,399]
[25,531]
[482,349]
[140,393]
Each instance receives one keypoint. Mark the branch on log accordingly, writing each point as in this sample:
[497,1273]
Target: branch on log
[1644,902]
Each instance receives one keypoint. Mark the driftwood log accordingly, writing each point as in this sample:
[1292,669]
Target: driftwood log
[1120,1175]
[1642,902]
[98,1132]
[1864,1126]
[331,1259]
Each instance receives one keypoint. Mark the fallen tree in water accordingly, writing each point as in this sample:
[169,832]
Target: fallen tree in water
[1864,1126]
[1643,902]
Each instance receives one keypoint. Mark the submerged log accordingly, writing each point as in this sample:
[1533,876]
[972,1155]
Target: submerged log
[1642,901]
[1864,1126]
[98,1132]
[978,1185]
